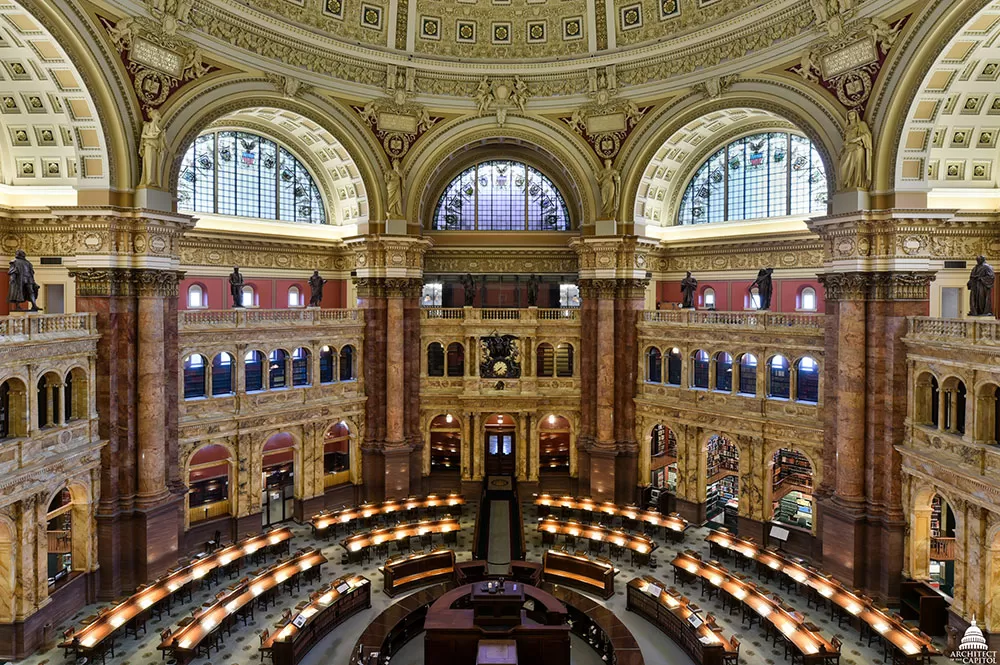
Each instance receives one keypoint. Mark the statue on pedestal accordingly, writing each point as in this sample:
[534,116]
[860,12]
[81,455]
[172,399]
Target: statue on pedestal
[610,181]
[688,286]
[152,144]
[394,191]
[533,290]
[236,287]
[469,284]
[764,287]
[856,157]
[316,289]
[23,287]
[981,288]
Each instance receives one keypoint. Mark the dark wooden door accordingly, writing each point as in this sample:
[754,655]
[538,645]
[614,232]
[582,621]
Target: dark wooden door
[500,452]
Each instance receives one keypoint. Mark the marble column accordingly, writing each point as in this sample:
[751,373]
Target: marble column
[396,449]
[605,384]
[372,303]
[150,415]
[631,301]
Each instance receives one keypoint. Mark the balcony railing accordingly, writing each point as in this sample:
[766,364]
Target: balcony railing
[47,326]
[750,320]
[499,314]
[201,319]
[969,331]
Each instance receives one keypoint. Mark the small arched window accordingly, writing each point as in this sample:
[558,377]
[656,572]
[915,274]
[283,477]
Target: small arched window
[544,360]
[294,297]
[194,376]
[222,374]
[807,380]
[564,360]
[708,297]
[197,297]
[277,370]
[748,374]
[244,175]
[723,371]
[501,195]
[456,359]
[347,363]
[435,359]
[753,299]
[699,369]
[807,299]
[253,370]
[774,174]
[654,365]
[778,383]
[327,365]
[674,367]
[300,366]
[248,296]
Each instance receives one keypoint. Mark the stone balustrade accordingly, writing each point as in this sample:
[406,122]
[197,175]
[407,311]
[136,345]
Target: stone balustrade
[976,331]
[46,327]
[217,319]
[528,315]
[809,322]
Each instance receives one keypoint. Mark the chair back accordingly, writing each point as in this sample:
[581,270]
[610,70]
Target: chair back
[264,634]
[836,643]
[165,634]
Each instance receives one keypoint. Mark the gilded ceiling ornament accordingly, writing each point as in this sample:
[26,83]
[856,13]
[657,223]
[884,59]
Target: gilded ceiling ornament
[501,95]
[714,87]
[606,122]
[288,86]
[396,121]
[171,13]
[158,61]
[848,61]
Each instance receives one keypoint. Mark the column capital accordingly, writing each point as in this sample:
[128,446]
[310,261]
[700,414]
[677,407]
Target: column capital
[621,257]
[125,237]
[877,286]
[388,256]
[108,282]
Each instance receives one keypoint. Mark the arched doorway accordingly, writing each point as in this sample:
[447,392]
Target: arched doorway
[278,474]
[554,436]
[209,483]
[336,455]
[446,444]
[942,546]
[792,488]
[500,442]
[663,458]
[722,482]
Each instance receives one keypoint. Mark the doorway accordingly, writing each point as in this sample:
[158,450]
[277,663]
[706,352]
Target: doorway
[501,441]
[277,501]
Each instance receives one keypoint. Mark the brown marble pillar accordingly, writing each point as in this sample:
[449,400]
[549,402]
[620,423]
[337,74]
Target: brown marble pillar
[396,448]
[371,302]
[605,383]
[631,300]
[411,354]
[588,379]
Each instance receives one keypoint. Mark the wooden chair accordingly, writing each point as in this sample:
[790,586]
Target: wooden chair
[165,639]
[68,637]
[732,657]
[264,634]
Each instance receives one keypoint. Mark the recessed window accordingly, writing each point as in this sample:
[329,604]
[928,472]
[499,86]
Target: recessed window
[773,174]
[244,175]
[501,195]
[807,299]
[248,297]
[294,297]
[432,295]
[708,297]
[197,297]
[753,299]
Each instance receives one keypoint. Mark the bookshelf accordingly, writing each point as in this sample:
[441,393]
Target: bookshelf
[723,458]
[791,471]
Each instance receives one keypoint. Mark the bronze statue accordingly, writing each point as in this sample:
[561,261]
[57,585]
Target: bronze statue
[533,282]
[236,287]
[764,287]
[688,286]
[316,289]
[981,288]
[469,284]
[23,287]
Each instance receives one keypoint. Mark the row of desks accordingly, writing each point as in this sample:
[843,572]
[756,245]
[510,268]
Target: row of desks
[325,520]
[671,522]
[895,632]
[365,539]
[802,635]
[186,640]
[639,544]
[91,636]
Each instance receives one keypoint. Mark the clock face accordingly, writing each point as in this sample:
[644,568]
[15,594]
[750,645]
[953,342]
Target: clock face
[500,368]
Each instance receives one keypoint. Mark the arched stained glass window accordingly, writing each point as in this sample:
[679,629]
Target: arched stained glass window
[501,195]
[245,175]
[763,175]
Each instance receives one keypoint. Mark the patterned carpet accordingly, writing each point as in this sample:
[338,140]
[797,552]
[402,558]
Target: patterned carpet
[241,647]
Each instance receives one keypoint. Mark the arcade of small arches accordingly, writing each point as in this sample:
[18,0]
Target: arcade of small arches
[59,398]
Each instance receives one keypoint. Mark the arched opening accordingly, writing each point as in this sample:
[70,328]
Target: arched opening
[752,299]
[50,396]
[986,412]
[327,365]
[456,359]
[13,409]
[942,546]
[337,454]
[347,369]
[253,371]
[699,369]
[209,480]
[778,378]
[277,369]
[953,405]
[435,359]
[654,365]
[278,465]
[807,380]
[300,367]
[196,297]
[554,436]
[708,298]
[195,381]
[806,299]
[8,573]
[76,400]
[723,372]
[663,458]
[722,482]
[545,360]
[792,488]
[925,399]
[748,374]
[222,374]
[248,296]
[446,443]
[674,367]
[564,360]
[501,444]
[67,537]
[295,298]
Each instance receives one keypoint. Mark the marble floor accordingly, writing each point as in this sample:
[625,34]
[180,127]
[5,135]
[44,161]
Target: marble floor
[335,649]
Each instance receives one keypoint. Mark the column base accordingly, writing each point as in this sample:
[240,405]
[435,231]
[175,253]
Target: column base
[397,472]
[306,508]
[843,538]
[626,476]
[341,495]
[602,474]
[692,511]
[155,539]
[110,546]
[373,474]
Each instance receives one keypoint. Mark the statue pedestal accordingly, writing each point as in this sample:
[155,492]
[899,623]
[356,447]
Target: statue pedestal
[153,199]
[395,227]
[851,200]
[605,227]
